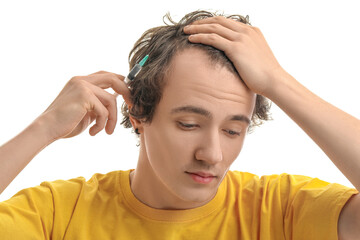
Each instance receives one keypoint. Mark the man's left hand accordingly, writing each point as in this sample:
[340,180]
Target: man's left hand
[244,45]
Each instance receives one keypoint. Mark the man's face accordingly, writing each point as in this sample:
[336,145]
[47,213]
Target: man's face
[198,128]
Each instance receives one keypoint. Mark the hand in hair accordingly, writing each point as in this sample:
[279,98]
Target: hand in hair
[82,100]
[244,45]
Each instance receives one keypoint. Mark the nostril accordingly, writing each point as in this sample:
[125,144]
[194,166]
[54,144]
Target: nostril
[209,155]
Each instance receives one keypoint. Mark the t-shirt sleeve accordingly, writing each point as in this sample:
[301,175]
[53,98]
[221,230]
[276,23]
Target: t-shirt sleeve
[312,207]
[27,215]
[40,212]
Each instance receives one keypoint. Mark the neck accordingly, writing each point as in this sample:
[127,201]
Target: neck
[150,190]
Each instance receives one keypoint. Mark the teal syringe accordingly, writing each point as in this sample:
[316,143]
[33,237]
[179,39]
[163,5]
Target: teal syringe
[135,70]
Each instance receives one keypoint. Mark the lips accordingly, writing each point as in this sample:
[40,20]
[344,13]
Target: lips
[203,174]
[202,177]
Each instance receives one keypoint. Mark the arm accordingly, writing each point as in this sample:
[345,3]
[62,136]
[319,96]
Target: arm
[334,131]
[20,150]
[82,100]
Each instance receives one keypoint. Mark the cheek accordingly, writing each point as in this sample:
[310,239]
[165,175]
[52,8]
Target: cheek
[232,148]
[166,146]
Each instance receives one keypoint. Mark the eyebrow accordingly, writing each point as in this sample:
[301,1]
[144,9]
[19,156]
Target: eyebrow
[203,112]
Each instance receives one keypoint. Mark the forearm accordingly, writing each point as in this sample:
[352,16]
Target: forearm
[20,150]
[334,131]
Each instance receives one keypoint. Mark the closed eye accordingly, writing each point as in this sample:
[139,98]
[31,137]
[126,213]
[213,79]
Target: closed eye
[187,125]
[232,133]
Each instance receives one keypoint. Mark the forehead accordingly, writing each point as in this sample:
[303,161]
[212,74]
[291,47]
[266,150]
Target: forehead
[193,79]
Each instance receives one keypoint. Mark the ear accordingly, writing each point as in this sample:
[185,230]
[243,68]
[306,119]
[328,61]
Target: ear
[137,124]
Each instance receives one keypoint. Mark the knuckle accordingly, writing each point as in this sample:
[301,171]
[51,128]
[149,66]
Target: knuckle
[214,27]
[219,18]
[105,115]
[112,115]
[101,118]
[238,36]
[84,93]
[192,28]
[100,72]
[78,82]
[82,90]
[110,100]
[246,30]
[109,78]
[75,79]
[256,29]
[213,36]
[243,36]
[113,100]
[114,78]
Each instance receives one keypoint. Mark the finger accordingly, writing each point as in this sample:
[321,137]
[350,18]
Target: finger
[105,80]
[121,77]
[101,115]
[125,92]
[109,101]
[212,28]
[226,22]
[98,72]
[211,39]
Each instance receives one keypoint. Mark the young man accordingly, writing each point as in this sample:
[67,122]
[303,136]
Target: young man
[191,106]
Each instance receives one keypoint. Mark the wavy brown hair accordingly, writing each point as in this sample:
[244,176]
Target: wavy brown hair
[161,44]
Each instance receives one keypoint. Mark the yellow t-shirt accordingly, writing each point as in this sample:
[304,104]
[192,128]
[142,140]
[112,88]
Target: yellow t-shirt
[245,207]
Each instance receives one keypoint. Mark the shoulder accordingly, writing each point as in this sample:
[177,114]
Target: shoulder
[291,190]
[98,181]
[349,219]
[309,206]
[281,180]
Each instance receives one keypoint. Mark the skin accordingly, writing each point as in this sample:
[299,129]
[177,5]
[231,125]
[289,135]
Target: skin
[164,159]
[178,142]
[82,101]
[338,136]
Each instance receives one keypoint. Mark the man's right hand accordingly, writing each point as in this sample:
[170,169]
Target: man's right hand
[82,100]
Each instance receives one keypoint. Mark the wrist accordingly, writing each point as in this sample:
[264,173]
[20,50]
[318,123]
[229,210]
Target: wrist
[280,80]
[39,127]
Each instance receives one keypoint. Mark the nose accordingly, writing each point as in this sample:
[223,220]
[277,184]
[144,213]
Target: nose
[210,150]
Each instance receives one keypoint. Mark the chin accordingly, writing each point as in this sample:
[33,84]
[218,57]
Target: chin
[198,195]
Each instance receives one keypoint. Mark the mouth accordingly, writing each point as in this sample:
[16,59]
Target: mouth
[203,174]
[202,177]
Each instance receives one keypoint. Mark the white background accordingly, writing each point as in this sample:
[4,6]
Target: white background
[44,43]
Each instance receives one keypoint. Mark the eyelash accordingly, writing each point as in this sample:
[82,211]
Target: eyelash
[190,126]
[233,133]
